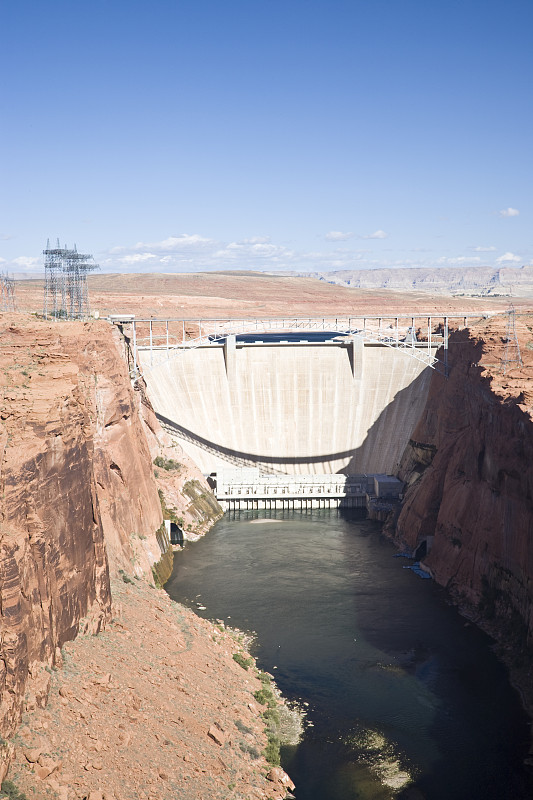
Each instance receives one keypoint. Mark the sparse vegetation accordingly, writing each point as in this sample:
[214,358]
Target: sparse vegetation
[242,661]
[250,749]
[126,578]
[167,463]
[155,576]
[9,789]
[242,727]
[271,716]
[271,751]
[265,697]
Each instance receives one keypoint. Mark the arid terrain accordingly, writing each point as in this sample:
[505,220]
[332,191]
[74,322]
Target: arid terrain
[226,294]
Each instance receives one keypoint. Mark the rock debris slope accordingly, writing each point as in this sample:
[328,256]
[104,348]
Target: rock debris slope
[154,707]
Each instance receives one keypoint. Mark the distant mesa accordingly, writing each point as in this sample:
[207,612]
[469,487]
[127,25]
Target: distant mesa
[463,281]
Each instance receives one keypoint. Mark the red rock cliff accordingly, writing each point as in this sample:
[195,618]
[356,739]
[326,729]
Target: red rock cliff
[78,494]
[470,476]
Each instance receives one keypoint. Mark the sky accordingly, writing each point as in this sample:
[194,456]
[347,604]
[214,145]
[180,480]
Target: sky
[303,135]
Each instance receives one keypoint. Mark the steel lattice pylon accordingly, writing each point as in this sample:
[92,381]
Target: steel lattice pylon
[66,293]
[7,293]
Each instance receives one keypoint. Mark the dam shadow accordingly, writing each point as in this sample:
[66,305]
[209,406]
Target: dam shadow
[372,456]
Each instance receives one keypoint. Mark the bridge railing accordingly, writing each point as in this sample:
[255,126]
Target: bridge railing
[419,335]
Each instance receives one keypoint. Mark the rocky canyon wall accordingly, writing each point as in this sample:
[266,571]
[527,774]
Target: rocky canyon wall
[469,473]
[79,495]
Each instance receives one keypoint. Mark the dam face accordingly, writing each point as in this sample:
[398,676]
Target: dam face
[290,408]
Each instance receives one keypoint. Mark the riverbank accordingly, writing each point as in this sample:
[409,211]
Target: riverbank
[153,707]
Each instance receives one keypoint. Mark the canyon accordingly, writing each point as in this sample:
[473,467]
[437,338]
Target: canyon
[84,545]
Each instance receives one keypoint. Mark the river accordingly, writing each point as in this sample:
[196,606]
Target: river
[403,697]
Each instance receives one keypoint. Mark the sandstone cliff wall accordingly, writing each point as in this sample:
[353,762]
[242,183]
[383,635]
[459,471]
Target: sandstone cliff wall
[79,495]
[470,477]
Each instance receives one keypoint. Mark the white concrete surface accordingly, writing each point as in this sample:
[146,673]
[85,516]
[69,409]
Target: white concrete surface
[291,409]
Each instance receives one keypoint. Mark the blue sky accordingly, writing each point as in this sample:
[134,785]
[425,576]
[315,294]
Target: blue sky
[182,135]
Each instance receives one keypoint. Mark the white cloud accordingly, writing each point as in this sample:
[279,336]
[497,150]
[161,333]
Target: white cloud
[180,242]
[508,257]
[193,252]
[137,258]
[5,237]
[338,236]
[256,240]
[26,261]
[379,234]
[172,244]
[509,212]
[249,252]
[455,260]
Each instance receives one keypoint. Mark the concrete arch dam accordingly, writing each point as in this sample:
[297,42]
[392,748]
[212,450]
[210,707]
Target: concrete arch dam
[290,408]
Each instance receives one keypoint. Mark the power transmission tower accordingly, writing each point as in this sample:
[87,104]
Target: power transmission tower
[7,293]
[66,293]
[512,348]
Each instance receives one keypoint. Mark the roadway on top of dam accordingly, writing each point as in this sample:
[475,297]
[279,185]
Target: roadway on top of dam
[419,334]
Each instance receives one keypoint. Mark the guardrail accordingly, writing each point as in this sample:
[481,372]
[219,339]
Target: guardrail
[419,335]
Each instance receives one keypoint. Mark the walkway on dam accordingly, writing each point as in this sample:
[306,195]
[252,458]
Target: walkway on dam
[418,334]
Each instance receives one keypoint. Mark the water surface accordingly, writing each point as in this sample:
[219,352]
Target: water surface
[405,698]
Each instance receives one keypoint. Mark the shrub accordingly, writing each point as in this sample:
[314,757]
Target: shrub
[265,697]
[242,727]
[9,789]
[157,582]
[125,578]
[271,751]
[250,749]
[271,717]
[167,463]
[242,661]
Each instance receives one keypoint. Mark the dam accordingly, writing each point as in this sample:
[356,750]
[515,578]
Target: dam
[318,396]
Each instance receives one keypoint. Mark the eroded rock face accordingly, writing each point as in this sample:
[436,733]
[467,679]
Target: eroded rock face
[75,476]
[469,468]
[185,493]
